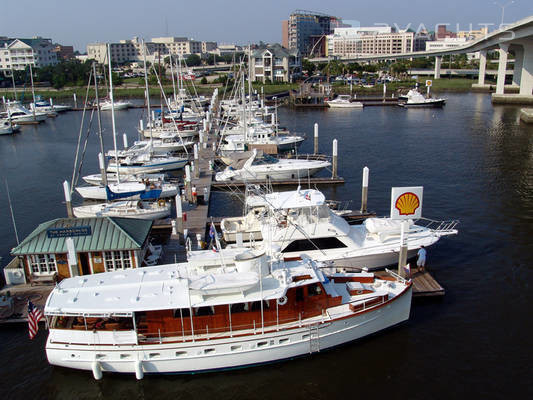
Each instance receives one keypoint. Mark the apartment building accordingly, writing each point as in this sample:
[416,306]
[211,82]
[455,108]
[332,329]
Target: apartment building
[365,41]
[17,54]
[275,63]
[157,48]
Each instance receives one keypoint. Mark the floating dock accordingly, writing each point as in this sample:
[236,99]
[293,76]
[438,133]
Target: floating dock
[424,284]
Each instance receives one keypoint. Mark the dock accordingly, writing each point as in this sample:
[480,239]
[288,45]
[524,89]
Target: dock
[285,182]
[424,284]
[21,294]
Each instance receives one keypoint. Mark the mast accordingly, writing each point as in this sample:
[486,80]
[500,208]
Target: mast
[113,111]
[14,85]
[32,92]
[173,80]
[97,99]
[150,122]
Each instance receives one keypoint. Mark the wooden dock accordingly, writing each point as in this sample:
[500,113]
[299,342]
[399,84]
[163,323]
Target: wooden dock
[21,294]
[424,284]
[286,182]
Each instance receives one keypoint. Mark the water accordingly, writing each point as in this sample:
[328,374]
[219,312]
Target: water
[475,163]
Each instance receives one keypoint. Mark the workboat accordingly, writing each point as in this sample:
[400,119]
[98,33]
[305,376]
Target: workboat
[267,167]
[344,101]
[301,223]
[128,191]
[190,318]
[416,99]
[125,209]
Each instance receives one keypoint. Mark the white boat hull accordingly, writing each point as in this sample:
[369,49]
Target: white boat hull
[100,193]
[314,335]
[355,104]
[97,211]
[147,168]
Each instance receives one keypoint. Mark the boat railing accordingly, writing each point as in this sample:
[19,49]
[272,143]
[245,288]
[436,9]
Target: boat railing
[438,226]
[398,277]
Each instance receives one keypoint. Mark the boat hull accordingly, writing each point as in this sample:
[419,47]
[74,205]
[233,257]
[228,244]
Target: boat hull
[147,168]
[231,352]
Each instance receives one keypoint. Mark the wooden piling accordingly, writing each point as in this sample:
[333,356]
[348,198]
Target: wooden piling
[316,138]
[335,159]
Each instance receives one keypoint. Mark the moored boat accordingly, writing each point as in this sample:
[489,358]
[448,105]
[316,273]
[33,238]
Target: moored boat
[125,209]
[185,318]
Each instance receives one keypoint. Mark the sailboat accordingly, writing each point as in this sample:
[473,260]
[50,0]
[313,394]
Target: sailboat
[124,190]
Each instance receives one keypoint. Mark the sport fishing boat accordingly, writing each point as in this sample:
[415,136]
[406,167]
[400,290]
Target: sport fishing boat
[199,317]
[48,107]
[301,223]
[21,115]
[7,127]
[125,209]
[344,101]
[258,167]
[417,99]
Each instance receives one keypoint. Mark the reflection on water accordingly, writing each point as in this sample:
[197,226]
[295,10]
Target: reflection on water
[475,163]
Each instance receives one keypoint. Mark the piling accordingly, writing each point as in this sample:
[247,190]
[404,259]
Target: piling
[335,159]
[102,168]
[125,140]
[188,188]
[72,258]
[196,162]
[316,138]
[364,192]
[75,100]
[402,258]
[179,216]
[141,125]
[66,188]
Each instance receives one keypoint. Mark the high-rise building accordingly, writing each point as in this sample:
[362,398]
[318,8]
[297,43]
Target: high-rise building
[285,33]
[307,31]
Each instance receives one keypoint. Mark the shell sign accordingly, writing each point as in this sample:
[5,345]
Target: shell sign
[406,202]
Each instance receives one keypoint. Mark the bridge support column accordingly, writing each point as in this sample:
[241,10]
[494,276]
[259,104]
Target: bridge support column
[518,63]
[482,67]
[502,66]
[438,62]
[526,78]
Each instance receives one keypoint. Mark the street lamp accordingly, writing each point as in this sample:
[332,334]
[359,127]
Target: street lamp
[503,10]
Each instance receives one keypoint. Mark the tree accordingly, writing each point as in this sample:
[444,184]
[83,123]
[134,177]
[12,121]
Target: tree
[308,66]
[193,60]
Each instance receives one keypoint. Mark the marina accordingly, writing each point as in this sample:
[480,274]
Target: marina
[441,257]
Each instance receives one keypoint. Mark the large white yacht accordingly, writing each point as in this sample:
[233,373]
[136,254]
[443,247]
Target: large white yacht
[301,223]
[206,316]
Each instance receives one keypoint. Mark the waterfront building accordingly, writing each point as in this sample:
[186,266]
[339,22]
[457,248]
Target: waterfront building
[364,41]
[157,48]
[17,54]
[275,63]
[308,29]
[101,244]
[443,33]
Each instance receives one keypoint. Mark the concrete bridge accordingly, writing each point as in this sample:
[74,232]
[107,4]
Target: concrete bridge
[516,37]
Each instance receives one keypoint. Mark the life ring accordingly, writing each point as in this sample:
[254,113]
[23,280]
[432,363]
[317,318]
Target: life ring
[282,300]
[17,274]
[161,202]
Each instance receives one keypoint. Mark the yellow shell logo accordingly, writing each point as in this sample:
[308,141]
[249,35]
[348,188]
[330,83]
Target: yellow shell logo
[407,203]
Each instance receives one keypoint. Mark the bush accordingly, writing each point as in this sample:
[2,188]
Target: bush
[203,81]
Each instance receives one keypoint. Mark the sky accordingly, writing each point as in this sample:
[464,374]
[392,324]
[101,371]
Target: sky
[79,22]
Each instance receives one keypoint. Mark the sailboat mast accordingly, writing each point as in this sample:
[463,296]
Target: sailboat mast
[113,111]
[32,91]
[150,122]
[99,117]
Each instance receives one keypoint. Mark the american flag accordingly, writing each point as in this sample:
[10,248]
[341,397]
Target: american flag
[34,316]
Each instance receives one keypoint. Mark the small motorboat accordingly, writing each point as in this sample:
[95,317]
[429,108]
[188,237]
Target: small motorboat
[344,101]
[416,99]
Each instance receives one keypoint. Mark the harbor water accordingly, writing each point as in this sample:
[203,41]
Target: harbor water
[475,162]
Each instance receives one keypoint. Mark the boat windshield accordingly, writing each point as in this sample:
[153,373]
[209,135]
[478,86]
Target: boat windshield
[265,159]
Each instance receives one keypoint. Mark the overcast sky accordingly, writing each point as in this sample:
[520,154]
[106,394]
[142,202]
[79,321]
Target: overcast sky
[78,22]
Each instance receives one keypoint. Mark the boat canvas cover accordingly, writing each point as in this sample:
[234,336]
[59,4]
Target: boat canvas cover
[152,194]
